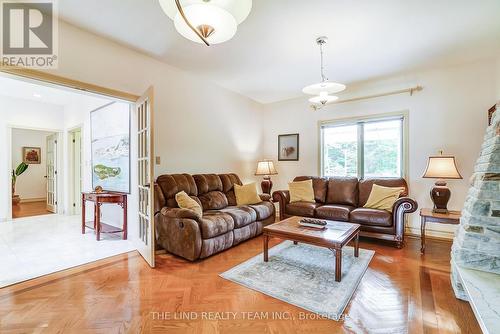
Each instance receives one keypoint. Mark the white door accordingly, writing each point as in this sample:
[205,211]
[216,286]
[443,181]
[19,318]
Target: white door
[76,152]
[145,168]
[51,173]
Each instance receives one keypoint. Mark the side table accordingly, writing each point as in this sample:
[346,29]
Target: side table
[99,199]
[427,215]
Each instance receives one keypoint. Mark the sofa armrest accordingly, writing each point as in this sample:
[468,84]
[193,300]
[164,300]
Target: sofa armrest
[283,198]
[265,197]
[403,206]
[180,213]
[178,232]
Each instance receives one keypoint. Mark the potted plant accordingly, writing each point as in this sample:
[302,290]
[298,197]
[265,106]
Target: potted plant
[15,174]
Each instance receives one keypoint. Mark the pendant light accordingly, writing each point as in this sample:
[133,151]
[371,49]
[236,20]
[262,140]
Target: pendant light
[323,89]
[207,21]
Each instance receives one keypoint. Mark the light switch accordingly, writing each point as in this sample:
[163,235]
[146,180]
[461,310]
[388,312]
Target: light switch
[158,160]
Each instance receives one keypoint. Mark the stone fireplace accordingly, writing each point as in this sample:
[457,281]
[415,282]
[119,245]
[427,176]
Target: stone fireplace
[475,265]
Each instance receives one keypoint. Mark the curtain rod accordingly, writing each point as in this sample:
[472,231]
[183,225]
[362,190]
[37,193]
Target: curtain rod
[394,92]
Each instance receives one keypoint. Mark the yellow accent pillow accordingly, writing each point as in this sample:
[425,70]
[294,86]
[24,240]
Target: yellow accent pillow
[383,198]
[301,191]
[185,202]
[246,194]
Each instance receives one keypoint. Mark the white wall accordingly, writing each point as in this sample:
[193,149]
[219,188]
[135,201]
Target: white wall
[32,184]
[449,114]
[199,127]
[19,113]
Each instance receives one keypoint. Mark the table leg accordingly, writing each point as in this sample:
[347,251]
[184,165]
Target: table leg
[83,214]
[338,264]
[98,220]
[422,235]
[356,245]
[266,247]
[124,217]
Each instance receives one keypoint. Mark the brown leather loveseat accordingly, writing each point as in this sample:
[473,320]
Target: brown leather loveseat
[223,224]
[342,199]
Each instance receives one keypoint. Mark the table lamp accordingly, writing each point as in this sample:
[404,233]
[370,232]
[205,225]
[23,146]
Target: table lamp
[441,167]
[266,168]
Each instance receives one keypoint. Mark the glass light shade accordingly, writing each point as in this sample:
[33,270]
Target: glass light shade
[323,98]
[239,9]
[221,21]
[328,87]
[265,167]
[442,167]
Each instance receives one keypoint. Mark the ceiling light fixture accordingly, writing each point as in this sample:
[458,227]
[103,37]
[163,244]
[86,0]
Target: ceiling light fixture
[207,21]
[323,89]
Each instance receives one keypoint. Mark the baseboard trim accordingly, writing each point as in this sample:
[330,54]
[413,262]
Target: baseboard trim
[32,200]
[430,233]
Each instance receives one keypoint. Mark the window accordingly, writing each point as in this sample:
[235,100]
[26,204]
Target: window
[364,147]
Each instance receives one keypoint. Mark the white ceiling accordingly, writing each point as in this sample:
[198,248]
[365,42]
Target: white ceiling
[33,91]
[273,54]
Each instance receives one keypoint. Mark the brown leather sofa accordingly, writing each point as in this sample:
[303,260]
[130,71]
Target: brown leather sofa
[223,224]
[343,199]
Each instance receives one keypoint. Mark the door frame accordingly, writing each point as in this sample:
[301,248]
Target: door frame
[59,161]
[73,210]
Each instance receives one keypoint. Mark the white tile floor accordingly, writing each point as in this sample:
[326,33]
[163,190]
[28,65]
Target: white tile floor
[37,246]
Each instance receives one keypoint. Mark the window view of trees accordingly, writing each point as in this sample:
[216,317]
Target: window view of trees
[380,145]
[340,151]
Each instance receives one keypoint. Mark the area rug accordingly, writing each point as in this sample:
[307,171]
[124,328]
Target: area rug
[304,276]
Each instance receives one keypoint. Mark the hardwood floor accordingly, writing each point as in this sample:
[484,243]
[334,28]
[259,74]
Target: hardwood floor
[401,292]
[30,209]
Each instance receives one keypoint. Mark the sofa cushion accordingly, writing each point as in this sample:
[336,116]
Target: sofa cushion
[303,209]
[365,187]
[184,201]
[228,182]
[242,215]
[372,217]
[301,191]
[246,194]
[342,190]
[215,223]
[319,186]
[334,212]
[170,185]
[383,198]
[214,200]
[263,210]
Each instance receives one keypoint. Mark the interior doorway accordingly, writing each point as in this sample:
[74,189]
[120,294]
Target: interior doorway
[34,172]
[48,102]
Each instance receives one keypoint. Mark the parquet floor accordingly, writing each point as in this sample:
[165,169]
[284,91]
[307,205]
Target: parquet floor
[30,209]
[401,292]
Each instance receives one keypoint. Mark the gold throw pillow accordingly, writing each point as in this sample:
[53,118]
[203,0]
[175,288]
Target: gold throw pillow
[246,194]
[185,202]
[301,191]
[383,198]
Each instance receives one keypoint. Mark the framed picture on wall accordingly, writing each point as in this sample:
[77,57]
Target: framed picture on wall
[32,155]
[110,138]
[288,147]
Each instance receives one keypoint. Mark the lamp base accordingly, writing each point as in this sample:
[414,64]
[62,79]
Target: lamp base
[440,195]
[266,185]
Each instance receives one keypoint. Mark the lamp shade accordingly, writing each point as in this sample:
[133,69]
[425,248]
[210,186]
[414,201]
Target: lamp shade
[442,167]
[265,167]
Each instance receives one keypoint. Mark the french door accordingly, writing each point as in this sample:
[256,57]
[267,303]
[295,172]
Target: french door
[51,173]
[77,181]
[145,169]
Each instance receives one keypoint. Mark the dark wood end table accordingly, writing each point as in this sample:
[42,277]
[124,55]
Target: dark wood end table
[335,236]
[427,215]
[99,199]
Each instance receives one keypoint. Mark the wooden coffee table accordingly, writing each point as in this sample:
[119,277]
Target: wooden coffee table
[335,236]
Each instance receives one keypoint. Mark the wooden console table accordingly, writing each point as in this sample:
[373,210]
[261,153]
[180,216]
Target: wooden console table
[100,199]
[427,215]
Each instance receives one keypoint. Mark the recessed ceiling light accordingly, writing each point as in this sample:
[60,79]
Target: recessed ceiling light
[37,95]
